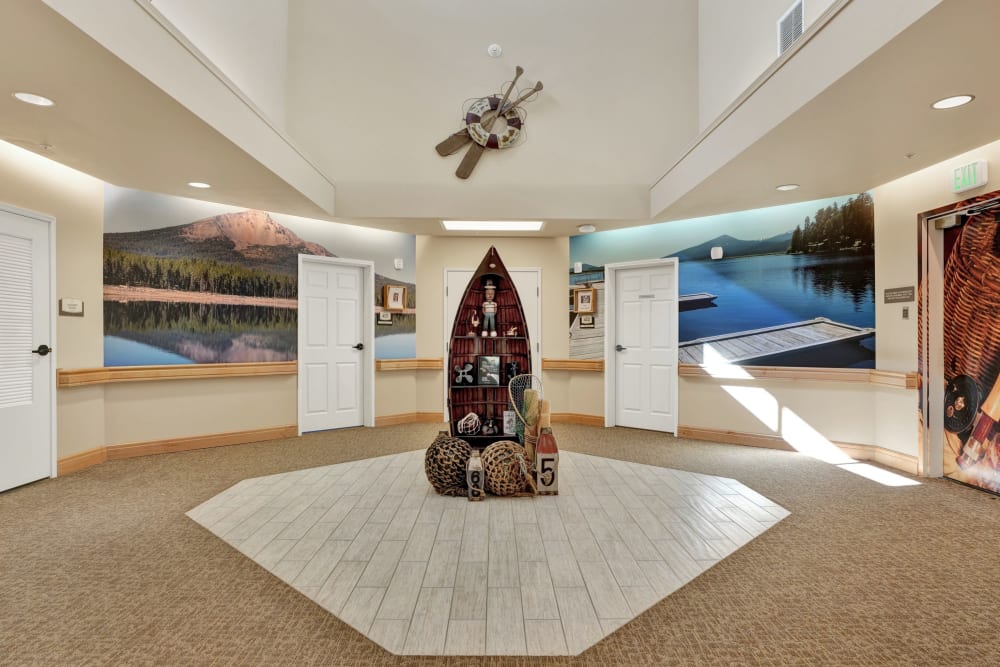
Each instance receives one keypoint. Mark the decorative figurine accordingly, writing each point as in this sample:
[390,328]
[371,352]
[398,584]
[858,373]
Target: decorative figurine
[474,476]
[463,374]
[512,331]
[475,324]
[490,310]
[547,463]
[490,427]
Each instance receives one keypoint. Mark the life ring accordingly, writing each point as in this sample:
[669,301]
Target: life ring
[473,123]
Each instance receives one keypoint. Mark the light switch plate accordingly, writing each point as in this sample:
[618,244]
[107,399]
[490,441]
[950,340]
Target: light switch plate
[398,263]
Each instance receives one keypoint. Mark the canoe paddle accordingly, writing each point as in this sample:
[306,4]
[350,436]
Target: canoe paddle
[455,141]
[475,151]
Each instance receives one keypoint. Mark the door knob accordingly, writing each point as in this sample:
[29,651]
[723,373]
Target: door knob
[620,348]
[42,350]
[359,346]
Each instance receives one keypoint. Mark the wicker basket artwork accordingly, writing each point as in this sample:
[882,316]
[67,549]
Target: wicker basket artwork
[972,303]
[505,467]
[445,462]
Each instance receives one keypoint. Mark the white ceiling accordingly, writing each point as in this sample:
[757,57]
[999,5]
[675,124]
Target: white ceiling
[371,90]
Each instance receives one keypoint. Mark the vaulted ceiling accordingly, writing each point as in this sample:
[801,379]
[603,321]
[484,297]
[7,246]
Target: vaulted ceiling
[613,139]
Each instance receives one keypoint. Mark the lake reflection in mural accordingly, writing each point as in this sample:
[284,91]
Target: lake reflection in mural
[199,333]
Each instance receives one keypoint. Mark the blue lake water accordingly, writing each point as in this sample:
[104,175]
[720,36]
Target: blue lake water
[768,290]
[122,352]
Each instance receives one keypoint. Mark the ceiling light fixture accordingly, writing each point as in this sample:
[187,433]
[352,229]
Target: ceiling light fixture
[199,185]
[492,225]
[952,102]
[787,186]
[586,229]
[32,98]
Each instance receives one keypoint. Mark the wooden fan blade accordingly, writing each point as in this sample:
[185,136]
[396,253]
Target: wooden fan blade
[470,160]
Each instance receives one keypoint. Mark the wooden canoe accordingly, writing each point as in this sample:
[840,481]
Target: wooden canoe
[490,357]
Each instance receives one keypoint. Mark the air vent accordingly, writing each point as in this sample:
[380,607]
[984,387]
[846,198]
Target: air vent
[789,27]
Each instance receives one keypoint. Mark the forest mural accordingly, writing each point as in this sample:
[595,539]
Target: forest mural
[187,281]
[788,285]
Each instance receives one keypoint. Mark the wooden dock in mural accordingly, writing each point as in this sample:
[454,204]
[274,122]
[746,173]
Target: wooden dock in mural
[695,301]
[747,346]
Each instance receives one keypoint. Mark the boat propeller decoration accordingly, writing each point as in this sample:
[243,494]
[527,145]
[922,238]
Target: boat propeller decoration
[479,119]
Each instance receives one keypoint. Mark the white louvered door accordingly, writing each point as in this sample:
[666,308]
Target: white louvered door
[26,378]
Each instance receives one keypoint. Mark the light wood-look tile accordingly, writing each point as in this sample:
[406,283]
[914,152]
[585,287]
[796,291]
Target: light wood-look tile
[420,573]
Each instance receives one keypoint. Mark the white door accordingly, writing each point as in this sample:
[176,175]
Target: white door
[645,347]
[527,282]
[26,377]
[334,344]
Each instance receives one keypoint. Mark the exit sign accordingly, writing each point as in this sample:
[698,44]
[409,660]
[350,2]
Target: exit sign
[969,176]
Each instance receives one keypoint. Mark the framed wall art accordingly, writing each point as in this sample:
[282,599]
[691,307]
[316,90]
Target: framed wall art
[384,318]
[488,369]
[584,300]
[393,297]
[586,321]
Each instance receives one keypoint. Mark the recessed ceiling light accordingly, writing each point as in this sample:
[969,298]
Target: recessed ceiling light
[952,102]
[492,225]
[787,186]
[586,229]
[197,184]
[31,98]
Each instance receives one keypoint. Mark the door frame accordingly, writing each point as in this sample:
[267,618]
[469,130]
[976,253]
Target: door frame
[367,334]
[53,423]
[611,323]
[536,339]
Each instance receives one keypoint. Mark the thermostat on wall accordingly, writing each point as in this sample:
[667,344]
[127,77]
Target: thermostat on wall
[71,307]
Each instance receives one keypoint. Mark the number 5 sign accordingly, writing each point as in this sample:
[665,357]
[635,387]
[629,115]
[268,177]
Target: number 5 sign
[547,463]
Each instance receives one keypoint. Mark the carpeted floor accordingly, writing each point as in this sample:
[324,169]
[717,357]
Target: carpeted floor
[102,567]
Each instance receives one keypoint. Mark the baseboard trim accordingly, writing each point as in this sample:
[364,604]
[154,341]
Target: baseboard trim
[92,457]
[75,462]
[170,445]
[410,418]
[577,418]
[887,457]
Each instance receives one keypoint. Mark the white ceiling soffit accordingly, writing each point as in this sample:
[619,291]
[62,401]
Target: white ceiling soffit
[839,110]
[260,167]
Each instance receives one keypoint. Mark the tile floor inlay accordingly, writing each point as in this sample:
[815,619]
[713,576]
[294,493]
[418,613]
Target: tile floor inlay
[423,574]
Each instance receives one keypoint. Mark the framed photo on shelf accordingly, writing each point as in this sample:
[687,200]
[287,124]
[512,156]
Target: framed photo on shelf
[586,321]
[384,318]
[488,370]
[393,297]
[585,300]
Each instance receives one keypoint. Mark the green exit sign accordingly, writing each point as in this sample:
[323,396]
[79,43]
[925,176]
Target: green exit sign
[969,176]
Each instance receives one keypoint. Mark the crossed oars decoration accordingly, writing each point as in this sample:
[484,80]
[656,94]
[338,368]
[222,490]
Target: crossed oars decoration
[455,142]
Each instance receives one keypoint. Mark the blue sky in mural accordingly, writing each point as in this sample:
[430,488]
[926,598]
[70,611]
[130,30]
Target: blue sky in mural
[665,238]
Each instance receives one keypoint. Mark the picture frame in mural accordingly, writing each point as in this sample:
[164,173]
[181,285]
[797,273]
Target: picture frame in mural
[488,370]
[384,318]
[586,321]
[393,297]
[585,300]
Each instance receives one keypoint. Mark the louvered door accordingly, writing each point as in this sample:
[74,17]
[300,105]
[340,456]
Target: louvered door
[26,377]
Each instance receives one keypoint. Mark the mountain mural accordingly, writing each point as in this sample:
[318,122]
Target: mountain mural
[251,239]
[734,247]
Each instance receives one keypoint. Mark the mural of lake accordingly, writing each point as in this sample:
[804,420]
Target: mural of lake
[140,333]
[767,290]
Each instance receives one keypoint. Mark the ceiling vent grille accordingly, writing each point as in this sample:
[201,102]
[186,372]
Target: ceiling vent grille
[789,27]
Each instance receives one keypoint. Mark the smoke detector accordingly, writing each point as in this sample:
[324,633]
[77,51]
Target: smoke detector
[494,50]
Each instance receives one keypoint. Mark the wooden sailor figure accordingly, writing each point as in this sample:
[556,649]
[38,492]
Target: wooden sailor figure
[490,310]
[547,463]
[474,476]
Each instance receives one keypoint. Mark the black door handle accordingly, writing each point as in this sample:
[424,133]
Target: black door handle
[359,346]
[620,348]
[42,350]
